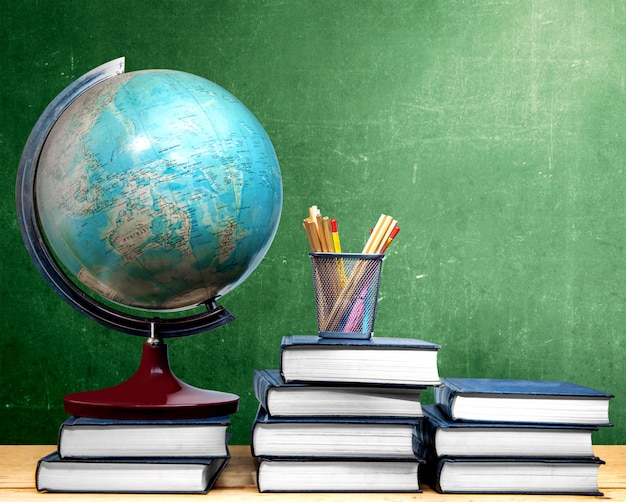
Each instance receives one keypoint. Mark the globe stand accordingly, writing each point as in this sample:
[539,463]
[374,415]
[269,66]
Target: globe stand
[153,392]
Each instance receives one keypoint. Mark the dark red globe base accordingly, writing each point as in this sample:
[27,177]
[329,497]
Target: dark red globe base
[152,393]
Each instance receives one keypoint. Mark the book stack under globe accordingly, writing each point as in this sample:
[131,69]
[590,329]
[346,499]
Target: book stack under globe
[136,456]
[342,415]
[513,436]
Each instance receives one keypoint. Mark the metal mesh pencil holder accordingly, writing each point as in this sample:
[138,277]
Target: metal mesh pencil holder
[346,293]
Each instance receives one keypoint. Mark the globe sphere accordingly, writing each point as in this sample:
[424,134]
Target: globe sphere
[158,190]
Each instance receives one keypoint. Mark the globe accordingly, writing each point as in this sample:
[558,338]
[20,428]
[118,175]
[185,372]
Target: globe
[157,190]
[142,198]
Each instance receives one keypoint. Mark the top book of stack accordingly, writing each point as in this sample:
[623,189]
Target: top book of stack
[385,361]
[522,401]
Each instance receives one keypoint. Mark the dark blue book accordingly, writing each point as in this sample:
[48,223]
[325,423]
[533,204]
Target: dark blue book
[340,400]
[554,476]
[337,475]
[81,437]
[397,361]
[522,401]
[441,436]
[139,475]
[323,437]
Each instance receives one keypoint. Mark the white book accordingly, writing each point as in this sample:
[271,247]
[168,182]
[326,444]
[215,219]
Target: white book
[81,437]
[171,475]
[290,475]
[541,476]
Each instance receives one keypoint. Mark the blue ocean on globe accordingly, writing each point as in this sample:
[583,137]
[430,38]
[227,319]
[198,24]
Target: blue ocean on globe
[158,190]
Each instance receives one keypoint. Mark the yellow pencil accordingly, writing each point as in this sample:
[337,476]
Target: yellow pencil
[328,236]
[335,233]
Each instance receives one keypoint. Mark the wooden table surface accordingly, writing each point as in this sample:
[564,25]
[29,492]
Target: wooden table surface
[237,483]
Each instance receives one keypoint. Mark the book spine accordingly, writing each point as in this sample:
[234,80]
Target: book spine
[444,396]
[253,430]
[424,439]
[286,342]
[38,485]
[420,448]
[60,438]
[262,385]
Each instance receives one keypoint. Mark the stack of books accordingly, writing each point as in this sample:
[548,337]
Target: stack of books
[136,456]
[513,436]
[342,415]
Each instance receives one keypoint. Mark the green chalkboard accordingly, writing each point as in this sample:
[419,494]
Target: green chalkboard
[494,132]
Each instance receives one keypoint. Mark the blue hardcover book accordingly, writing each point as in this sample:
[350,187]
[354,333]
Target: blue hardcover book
[81,437]
[323,437]
[339,400]
[138,475]
[441,437]
[398,361]
[337,475]
[522,401]
[555,476]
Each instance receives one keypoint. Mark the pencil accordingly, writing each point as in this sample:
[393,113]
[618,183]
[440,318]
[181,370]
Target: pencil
[391,238]
[328,236]
[368,244]
[383,240]
[335,232]
[375,241]
[320,232]
[312,235]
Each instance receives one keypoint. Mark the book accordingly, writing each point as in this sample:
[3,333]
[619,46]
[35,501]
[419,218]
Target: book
[81,437]
[400,361]
[293,399]
[333,437]
[337,475]
[576,476]
[441,436]
[148,475]
[531,401]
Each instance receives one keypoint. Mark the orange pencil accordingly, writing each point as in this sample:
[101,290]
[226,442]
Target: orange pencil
[391,237]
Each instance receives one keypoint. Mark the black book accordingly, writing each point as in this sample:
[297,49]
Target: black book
[81,437]
[530,401]
[147,475]
[399,361]
[292,399]
[311,437]
[557,476]
[337,475]
[442,436]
